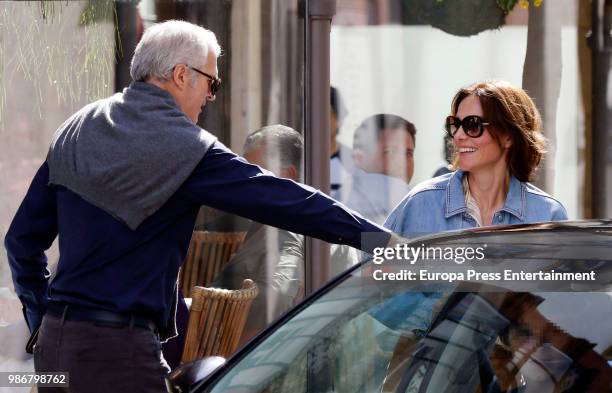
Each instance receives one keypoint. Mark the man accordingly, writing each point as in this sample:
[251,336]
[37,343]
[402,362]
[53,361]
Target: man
[274,258]
[383,150]
[384,143]
[122,184]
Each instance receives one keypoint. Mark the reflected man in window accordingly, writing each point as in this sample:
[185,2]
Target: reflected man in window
[272,257]
[383,150]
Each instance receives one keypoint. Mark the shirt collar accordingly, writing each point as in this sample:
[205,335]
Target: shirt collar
[455,198]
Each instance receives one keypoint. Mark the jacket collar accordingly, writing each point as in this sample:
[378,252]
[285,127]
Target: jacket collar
[455,198]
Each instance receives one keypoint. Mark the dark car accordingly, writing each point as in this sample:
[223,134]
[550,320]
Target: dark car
[546,327]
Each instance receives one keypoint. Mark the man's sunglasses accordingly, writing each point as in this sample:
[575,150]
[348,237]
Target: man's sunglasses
[215,83]
[473,126]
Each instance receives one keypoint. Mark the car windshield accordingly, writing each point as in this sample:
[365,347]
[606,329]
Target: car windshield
[369,335]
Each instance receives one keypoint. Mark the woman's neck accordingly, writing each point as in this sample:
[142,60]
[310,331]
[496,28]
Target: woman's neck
[489,190]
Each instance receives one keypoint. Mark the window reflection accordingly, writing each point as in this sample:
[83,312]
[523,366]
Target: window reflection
[406,59]
[383,164]
[59,56]
[478,341]
[55,57]
[261,68]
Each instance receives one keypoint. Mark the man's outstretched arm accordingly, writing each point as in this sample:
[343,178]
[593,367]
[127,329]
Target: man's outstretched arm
[225,181]
[32,231]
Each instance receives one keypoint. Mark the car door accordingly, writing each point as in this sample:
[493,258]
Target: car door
[360,334]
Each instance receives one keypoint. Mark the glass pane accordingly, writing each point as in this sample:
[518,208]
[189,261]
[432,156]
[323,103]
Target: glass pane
[408,59]
[368,335]
[261,119]
[56,57]
[335,345]
[261,69]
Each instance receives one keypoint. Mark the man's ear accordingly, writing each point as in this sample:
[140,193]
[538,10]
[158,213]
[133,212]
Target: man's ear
[358,157]
[290,172]
[180,75]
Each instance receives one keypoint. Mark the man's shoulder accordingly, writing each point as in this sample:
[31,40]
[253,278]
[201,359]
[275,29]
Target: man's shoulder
[95,107]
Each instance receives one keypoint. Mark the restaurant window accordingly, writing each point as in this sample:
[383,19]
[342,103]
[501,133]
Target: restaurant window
[56,57]
[408,58]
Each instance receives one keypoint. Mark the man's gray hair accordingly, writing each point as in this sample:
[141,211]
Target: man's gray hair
[280,142]
[164,45]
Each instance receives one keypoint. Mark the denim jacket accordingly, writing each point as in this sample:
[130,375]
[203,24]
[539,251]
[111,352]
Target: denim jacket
[438,205]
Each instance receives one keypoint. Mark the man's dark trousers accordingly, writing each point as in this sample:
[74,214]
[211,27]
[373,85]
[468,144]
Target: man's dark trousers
[100,358]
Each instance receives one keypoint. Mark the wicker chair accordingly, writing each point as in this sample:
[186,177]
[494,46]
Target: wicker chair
[216,320]
[208,252]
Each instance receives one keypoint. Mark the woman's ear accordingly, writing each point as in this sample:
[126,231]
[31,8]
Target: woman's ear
[506,141]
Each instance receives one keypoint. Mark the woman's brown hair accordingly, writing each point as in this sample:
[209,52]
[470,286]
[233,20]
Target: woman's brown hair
[511,112]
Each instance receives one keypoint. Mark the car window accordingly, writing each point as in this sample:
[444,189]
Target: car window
[320,345]
[503,342]
[366,335]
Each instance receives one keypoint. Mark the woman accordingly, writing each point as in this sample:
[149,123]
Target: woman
[496,132]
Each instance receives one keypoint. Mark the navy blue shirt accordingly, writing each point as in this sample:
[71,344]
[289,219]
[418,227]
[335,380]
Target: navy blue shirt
[104,264]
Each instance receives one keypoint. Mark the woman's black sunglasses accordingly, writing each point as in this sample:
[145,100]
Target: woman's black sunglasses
[473,126]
